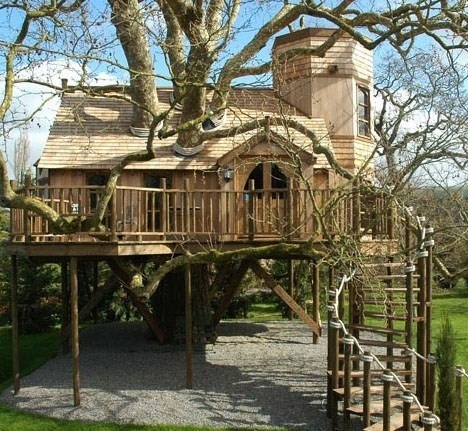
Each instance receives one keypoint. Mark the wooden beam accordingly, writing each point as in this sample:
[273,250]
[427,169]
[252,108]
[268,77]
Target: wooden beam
[125,277]
[230,292]
[14,323]
[146,314]
[74,322]
[188,328]
[283,295]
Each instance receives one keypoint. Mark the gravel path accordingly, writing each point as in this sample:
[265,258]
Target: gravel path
[256,375]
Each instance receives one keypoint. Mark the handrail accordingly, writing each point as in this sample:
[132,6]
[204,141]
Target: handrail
[282,213]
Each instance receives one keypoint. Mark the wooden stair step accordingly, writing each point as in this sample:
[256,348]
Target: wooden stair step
[389,276]
[374,389]
[385,265]
[392,317]
[383,358]
[376,302]
[358,374]
[388,290]
[382,343]
[396,422]
[375,407]
[377,329]
[383,316]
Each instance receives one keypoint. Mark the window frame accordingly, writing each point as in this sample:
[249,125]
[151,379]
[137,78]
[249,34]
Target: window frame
[363,119]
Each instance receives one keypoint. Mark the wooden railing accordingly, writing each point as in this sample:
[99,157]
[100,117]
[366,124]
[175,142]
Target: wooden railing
[149,214]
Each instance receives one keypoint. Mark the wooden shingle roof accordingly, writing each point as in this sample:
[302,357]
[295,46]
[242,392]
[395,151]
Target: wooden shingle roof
[93,132]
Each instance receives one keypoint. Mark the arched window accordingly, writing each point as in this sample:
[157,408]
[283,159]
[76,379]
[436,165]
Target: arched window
[267,176]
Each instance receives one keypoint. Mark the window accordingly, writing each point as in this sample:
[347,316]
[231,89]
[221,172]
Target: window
[363,111]
[95,179]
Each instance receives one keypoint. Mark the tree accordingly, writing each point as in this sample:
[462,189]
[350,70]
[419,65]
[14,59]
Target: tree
[21,156]
[422,126]
[200,46]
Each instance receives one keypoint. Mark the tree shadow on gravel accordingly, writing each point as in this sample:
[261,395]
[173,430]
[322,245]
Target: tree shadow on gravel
[256,375]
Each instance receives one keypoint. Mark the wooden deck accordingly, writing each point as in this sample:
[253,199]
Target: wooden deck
[160,221]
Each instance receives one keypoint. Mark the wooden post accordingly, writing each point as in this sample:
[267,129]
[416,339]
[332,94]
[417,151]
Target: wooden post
[316,298]
[459,373]
[356,209]
[407,401]
[348,347]
[188,328]
[251,210]
[65,318]
[289,208]
[431,381]
[165,223]
[74,322]
[366,417]
[429,245]
[428,420]
[387,379]
[114,216]
[14,324]
[334,331]
[421,365]
[186,209]
[291,285]
[409,270]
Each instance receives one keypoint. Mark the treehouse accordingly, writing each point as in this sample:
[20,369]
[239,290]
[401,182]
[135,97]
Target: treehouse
[283,172]
[275,175]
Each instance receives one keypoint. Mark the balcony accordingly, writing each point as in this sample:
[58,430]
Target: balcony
[148,215]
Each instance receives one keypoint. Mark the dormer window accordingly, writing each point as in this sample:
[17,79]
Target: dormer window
[363,111]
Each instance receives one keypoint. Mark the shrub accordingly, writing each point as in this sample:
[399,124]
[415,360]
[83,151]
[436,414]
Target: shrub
[446,354]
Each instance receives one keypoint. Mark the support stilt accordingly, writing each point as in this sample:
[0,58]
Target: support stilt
[291,285]
[188,328]
[14,323]
[74,321]
[65,318]
[316,299]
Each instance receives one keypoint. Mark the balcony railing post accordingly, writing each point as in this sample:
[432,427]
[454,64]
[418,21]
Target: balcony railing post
[186,209]
[114,216]
[289,209]
[164,223]
[26,218]
[356,217]
[251,209]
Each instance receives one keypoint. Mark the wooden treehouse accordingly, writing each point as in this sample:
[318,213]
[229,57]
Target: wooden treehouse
[250,189]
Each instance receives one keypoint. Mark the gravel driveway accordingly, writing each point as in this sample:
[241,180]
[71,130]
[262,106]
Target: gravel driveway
[256,375]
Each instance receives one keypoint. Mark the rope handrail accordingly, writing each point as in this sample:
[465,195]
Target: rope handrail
[334,308]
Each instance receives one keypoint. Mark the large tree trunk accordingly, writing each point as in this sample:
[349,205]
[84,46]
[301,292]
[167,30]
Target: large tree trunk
[168,304]
[132,33]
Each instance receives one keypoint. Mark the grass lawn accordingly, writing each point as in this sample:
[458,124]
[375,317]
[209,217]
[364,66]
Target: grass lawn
[36,349]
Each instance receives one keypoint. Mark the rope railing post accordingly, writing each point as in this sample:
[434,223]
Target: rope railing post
[366,383]
[421,368]
[409,270]
[431,381]
[348,342]
[387,378]
[334,329]
[430,378]
[459,374]
[428,420]
[407,398]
